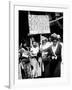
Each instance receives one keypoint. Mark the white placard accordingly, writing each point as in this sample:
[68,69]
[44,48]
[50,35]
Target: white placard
[38,24]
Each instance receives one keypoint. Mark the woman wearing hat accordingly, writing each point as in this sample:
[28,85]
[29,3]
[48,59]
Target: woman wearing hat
[54,57]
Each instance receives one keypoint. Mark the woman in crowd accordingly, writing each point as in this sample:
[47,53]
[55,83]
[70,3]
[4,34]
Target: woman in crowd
[35,60]
[24,65]
[54,58]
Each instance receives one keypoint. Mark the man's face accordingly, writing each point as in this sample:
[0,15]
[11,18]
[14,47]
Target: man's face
[54,42]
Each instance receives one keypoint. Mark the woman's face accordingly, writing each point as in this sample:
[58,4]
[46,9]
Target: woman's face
[44,42]
[25,44]
[54,42]
[34,44]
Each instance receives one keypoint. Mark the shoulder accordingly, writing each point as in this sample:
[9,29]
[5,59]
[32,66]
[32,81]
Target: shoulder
[59,45]
[49,48]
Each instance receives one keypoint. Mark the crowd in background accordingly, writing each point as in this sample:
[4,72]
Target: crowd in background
[40,59]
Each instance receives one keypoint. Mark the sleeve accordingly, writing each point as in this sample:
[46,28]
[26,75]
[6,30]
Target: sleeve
[62,53]
[19,71]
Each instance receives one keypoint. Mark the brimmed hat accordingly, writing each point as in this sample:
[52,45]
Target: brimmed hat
[54,36]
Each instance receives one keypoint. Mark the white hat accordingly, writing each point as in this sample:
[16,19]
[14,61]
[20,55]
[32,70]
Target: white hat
[58,36]
[54,35]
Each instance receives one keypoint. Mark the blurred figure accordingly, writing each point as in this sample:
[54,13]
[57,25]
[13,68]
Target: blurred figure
[24,70]
[24,60]
[35,60]
[44,46]
[24,50]
[35,48]
[60,42]
[34,67]
[41,65]
[54,57]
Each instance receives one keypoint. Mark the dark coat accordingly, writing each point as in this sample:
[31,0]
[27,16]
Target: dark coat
[57,52]
[53,67]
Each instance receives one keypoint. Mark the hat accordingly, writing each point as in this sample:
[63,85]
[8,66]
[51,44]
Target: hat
[58,36]
[54,36]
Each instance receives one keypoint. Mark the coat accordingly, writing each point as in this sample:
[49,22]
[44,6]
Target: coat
[53,66]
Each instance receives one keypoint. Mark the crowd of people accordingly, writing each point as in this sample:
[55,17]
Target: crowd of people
[40,59]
